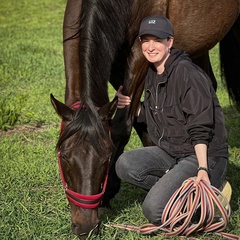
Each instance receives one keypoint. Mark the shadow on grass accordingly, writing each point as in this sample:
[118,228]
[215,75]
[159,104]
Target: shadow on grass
[128,199]
[233,177]
[233,128]
[233,125]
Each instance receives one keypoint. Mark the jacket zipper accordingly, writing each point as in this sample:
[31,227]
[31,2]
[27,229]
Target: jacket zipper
[159,140]
[156,108]
[161,108]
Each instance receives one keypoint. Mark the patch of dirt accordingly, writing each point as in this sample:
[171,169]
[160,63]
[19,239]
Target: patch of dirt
[23,129]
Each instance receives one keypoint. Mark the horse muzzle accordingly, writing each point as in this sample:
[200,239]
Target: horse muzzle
[83,231]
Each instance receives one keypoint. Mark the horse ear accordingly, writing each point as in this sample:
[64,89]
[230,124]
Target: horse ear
[62,110]
[106,112]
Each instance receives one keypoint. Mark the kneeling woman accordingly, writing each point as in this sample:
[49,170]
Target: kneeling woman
[184,121]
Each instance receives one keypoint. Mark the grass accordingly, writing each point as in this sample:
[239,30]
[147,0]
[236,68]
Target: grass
[32,201]
[31,62]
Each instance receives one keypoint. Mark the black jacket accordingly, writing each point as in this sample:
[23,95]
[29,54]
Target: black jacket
[181,109]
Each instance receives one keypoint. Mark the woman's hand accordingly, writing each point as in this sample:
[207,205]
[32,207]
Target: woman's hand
[123,100]
[202,175]
[201,153]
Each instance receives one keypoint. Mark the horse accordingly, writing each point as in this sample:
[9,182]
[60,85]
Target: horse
[100,45]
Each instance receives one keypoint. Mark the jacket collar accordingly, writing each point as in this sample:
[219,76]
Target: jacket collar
[175,56]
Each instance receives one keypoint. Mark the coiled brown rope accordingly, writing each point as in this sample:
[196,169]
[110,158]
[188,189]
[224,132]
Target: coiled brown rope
[191,209]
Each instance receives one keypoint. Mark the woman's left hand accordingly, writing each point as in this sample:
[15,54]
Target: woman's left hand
[202,175]
[123,100]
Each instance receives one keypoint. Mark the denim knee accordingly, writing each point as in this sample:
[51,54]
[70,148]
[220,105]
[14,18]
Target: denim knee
[152,213]
[121,167]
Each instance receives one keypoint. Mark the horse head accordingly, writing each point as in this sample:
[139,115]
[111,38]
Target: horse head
[84,150]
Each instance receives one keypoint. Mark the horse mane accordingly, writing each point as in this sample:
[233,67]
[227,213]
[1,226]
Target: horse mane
[86,120]
[102,33]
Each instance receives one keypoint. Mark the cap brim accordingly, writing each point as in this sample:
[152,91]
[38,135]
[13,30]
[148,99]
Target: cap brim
[156,33]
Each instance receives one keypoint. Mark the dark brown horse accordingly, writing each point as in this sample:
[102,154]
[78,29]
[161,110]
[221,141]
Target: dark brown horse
[101,46]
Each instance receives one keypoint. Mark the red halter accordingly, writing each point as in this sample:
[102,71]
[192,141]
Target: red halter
[80,200]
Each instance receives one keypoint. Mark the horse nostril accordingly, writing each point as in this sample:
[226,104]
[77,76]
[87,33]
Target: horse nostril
[73,225]
[76,228]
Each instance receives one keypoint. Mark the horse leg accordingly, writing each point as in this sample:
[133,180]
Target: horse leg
[141,130]
[120,133]
[203,61]
[71,49]
[230,62]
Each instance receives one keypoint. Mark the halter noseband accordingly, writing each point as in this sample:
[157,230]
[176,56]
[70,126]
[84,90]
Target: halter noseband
[81,200]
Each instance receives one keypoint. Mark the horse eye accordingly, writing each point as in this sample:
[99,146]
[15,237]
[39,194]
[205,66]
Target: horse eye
[63,156]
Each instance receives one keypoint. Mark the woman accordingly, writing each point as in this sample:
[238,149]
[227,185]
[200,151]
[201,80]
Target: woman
[184,120]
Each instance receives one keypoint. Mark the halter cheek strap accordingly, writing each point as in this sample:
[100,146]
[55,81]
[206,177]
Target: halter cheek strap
[81,200]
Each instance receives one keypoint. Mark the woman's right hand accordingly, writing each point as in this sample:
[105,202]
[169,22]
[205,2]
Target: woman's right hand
[123,100]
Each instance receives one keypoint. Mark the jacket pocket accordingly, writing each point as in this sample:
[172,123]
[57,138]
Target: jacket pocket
[173,115]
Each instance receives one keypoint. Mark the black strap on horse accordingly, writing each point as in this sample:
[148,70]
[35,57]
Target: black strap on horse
[191,209]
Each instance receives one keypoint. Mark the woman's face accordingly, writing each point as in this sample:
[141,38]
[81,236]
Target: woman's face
[156,50]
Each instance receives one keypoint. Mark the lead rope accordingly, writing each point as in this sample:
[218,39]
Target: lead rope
[188,204]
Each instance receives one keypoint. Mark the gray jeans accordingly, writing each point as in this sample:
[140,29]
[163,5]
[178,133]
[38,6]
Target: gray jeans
[161,175]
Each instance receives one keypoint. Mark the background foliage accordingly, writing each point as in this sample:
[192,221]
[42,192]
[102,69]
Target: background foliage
[32,201]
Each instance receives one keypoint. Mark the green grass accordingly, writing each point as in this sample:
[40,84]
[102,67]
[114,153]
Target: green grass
[31,62]
[32,202]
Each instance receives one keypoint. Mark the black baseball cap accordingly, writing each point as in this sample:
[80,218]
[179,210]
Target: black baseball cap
[158,26]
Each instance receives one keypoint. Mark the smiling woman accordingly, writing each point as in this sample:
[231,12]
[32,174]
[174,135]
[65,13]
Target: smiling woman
[184,121]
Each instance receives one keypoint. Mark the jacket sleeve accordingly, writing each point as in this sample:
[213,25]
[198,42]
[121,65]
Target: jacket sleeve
[197,105]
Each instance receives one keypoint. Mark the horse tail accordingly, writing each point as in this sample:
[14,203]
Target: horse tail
[230,62]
